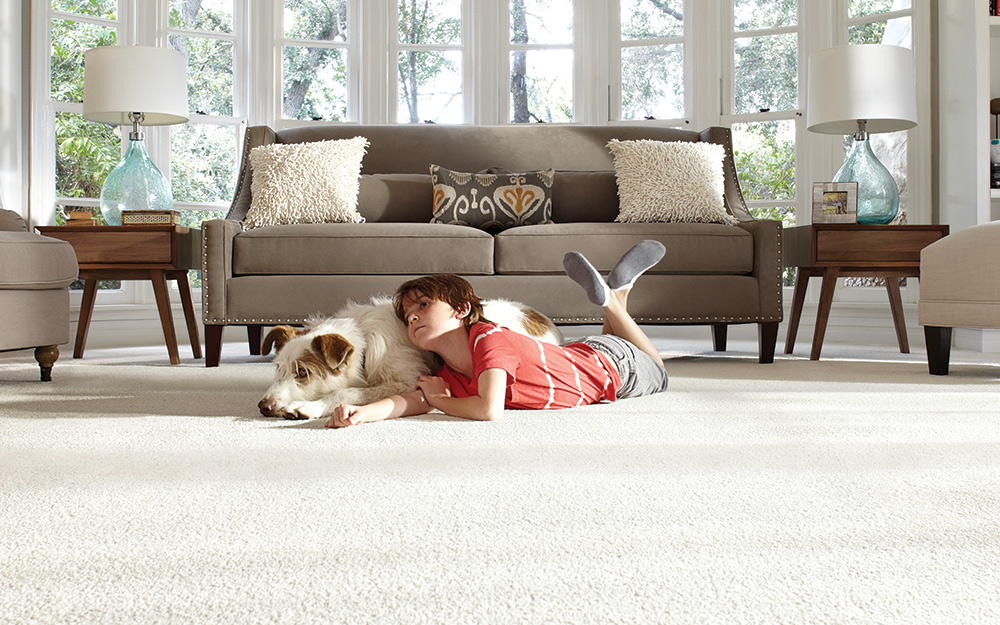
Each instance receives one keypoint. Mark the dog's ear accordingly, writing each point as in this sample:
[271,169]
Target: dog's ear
[277,337]
[334,348]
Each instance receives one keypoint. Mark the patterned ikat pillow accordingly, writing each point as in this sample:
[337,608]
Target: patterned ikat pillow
[493,200]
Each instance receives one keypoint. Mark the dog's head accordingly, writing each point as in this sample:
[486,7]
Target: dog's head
[311,363]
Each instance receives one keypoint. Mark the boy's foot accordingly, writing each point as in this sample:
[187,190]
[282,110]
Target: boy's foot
[634,263]
[584,274]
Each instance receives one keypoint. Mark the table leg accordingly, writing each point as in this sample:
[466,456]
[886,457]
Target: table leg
[798,299]
[86,312]
[184,287]
[823,314]
[896,305]
[166,319]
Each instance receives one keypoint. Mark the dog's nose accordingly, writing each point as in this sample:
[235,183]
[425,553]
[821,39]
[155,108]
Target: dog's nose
[268,407]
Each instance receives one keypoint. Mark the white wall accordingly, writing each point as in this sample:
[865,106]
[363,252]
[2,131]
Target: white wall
[13,105]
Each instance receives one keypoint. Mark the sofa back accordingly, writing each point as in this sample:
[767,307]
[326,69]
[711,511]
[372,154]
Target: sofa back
[396,187]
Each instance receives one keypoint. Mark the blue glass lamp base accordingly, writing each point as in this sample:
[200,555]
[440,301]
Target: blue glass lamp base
[878,195]
[134,184]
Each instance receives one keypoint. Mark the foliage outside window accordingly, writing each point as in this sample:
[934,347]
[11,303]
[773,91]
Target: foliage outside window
[314,60]
[652,59]
[541,61]
[430,61]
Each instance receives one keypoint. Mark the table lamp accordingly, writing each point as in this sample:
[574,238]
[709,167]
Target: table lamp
[140,86]
[859,90]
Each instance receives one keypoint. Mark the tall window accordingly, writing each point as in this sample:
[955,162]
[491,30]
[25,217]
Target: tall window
[541,61]
[314,68]
[430,61]
[652,59]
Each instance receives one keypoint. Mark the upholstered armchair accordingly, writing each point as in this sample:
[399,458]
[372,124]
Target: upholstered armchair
[959,288]
[35,272]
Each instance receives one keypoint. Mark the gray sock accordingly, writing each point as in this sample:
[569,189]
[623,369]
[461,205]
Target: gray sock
[584,274]
[634,263]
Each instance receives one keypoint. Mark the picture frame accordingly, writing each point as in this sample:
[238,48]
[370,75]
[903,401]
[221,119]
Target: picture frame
[835,202]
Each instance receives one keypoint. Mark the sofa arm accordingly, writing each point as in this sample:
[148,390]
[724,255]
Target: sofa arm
[216,267]
[767,265]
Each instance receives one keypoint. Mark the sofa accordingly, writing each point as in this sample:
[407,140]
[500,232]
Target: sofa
[35,273]
[713,274]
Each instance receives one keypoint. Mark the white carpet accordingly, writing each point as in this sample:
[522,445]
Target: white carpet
[857,489]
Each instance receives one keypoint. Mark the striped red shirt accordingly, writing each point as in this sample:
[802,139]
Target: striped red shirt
[539,375]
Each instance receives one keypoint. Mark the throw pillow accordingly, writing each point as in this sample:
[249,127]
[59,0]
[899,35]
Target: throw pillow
[493,200]
[305,182]
[670,181]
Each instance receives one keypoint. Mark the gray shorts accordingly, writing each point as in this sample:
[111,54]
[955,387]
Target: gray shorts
[640,373]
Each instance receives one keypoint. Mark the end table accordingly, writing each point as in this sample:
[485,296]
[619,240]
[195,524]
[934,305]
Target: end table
[853,251]
[137,252]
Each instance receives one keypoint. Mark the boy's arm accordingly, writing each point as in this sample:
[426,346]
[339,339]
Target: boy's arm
[412,403]
[486,406]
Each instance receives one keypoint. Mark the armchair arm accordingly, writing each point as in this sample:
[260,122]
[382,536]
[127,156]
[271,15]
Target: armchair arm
[217,268]
[767,265]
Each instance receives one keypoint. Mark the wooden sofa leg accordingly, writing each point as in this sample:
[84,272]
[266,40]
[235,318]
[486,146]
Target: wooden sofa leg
[46,357]
[938,342]
[213,345]
[767,336]
[719,333]
[253,338]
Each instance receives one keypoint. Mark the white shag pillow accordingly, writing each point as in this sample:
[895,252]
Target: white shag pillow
[670,181]
[305,183]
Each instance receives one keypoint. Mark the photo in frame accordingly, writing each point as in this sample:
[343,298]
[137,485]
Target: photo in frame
[835,202]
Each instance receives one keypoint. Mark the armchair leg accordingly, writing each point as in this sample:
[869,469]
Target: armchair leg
[938,342]
[254,338]
[46,357]
[767,336]
[213,345]
[719,333]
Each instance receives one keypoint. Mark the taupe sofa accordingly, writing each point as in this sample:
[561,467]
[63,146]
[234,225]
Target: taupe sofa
[712,274]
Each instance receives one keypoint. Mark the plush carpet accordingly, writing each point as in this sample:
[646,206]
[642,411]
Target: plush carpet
[856,489]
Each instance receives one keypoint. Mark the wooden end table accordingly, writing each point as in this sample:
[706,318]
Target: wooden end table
[141,252]
[853,251]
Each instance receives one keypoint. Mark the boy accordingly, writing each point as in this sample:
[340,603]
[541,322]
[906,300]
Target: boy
[487,368]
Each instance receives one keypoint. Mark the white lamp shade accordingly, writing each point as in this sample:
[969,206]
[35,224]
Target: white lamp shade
[870,82]
[118,80]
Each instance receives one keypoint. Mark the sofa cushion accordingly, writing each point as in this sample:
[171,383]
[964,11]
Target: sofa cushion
[584,196]
[378,248]
[305,183]
[30,261]
[691,248]
[670,181]
[493,200]
[395,198]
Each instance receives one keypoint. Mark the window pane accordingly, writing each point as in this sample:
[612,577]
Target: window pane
[203,162]
[766,73]
[653,82]
[316,19]
[765,159]
[107,9]
[210,15]
[761,14]
[645,19]
[541,86]
[894,32]
[430,22]
[209,74]
[85,153]
[430,87]
[861,8]
[314,83]
[69,42]
[541,21]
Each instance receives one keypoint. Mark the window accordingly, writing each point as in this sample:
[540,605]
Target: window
[314,60]
[430,61]
[541,61]
[651,55]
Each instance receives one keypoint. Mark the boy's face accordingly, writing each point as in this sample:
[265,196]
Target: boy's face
[428,319]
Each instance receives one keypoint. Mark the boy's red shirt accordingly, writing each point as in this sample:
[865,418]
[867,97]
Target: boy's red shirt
[539,375]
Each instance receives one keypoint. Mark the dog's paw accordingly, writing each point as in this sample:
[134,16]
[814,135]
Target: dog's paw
[298,410]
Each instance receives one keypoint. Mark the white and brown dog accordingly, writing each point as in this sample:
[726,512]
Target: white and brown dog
[363,355]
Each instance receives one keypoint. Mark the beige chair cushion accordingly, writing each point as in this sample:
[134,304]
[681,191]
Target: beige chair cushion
[32,262]
[960,279]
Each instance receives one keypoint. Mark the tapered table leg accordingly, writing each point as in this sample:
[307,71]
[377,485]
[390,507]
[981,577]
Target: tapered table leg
[896,305]
[166,319]
[86,312]
[830,275]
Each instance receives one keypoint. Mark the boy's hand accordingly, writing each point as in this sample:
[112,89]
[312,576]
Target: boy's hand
[433,387]
[345,415]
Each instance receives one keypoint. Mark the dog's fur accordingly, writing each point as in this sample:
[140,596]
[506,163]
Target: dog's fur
[363,355]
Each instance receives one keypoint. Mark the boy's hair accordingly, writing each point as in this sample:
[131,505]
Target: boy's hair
[446,287]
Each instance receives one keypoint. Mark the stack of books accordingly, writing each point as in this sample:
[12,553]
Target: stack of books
[79,217]
[148,217]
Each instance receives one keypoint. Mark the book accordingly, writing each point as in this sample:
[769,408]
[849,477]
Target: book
[79,217]
[146,217]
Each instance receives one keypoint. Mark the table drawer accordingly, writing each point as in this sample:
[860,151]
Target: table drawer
[121,246]
[872,246]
